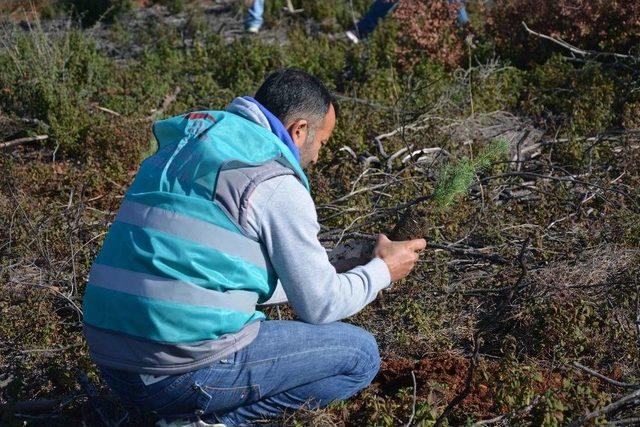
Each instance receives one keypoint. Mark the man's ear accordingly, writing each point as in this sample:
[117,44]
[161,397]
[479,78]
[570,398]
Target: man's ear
[298,130]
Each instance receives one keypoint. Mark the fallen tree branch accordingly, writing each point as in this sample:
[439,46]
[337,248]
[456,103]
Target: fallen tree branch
[495,258]
[508,415]
[576,50]
[23,140]
[108,111]
[37,405]
[615,406]
[415,397]
[568,178]
[604,378]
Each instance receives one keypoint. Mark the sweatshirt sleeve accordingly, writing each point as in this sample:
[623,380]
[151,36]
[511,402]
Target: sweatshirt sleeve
[283,216]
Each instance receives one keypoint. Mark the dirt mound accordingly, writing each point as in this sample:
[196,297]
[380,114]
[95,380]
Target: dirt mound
[439,378]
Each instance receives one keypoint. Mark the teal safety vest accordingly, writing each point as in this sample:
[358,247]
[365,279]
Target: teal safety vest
[175,267]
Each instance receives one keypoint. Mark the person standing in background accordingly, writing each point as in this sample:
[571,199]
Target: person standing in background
[253,19]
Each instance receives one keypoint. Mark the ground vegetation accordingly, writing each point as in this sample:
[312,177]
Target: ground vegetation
[525,307]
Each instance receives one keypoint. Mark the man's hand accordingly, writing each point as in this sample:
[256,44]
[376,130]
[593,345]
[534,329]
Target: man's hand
[400,257]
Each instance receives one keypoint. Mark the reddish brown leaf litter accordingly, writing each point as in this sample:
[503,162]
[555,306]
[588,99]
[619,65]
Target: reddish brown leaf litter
[439,378]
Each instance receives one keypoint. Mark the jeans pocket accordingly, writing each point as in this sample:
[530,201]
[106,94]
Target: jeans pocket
[223,399]
[182,401]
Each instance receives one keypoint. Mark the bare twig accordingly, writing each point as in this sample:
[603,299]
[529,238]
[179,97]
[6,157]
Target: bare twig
[37,405]
[575,50]
[415,396]
[494,258]
[168,100]
[508,415]
[108,111]
[570,179]
[23,140]
[290,9]
[350,151]
[613,407]
[604,378]
[625,422]
[50,350]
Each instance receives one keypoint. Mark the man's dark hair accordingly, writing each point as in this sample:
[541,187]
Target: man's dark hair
[292,94]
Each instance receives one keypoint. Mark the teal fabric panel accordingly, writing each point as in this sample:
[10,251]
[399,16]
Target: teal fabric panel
[170,290]
[237,122]
[149,251]
[160,320]
[188,163]
[169,131]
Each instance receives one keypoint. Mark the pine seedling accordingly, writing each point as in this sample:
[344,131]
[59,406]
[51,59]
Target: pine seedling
[454,181]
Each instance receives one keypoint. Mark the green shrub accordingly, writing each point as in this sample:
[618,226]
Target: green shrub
[577,100]
[53,79]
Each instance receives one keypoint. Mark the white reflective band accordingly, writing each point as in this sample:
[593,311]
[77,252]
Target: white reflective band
[149,286]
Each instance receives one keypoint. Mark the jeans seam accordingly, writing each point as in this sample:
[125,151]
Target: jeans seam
[257,362]
[255,387]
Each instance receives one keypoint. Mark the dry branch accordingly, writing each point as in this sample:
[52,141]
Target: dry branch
[37,405]
[508,415]
[473,253]
[108,111]
[605,378]
[613,407]
[415,396]
[575,50]
[168,100]
[23,141]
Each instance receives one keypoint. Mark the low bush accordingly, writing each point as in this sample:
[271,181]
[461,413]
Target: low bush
[589,24]
[428,29]
[52,79]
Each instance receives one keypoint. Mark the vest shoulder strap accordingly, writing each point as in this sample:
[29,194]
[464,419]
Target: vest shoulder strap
[237,181]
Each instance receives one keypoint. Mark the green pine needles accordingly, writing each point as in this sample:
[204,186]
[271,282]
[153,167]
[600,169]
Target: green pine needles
[456,179]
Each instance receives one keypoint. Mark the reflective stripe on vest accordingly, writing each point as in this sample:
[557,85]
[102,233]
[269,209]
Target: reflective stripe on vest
[195,230]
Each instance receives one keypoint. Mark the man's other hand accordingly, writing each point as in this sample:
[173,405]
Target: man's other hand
[400,257]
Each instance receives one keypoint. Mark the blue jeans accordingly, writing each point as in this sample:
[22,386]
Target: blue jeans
[289,365]
[254,15]
[381,8]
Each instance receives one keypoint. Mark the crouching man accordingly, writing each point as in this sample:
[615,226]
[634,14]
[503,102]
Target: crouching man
[213,220]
